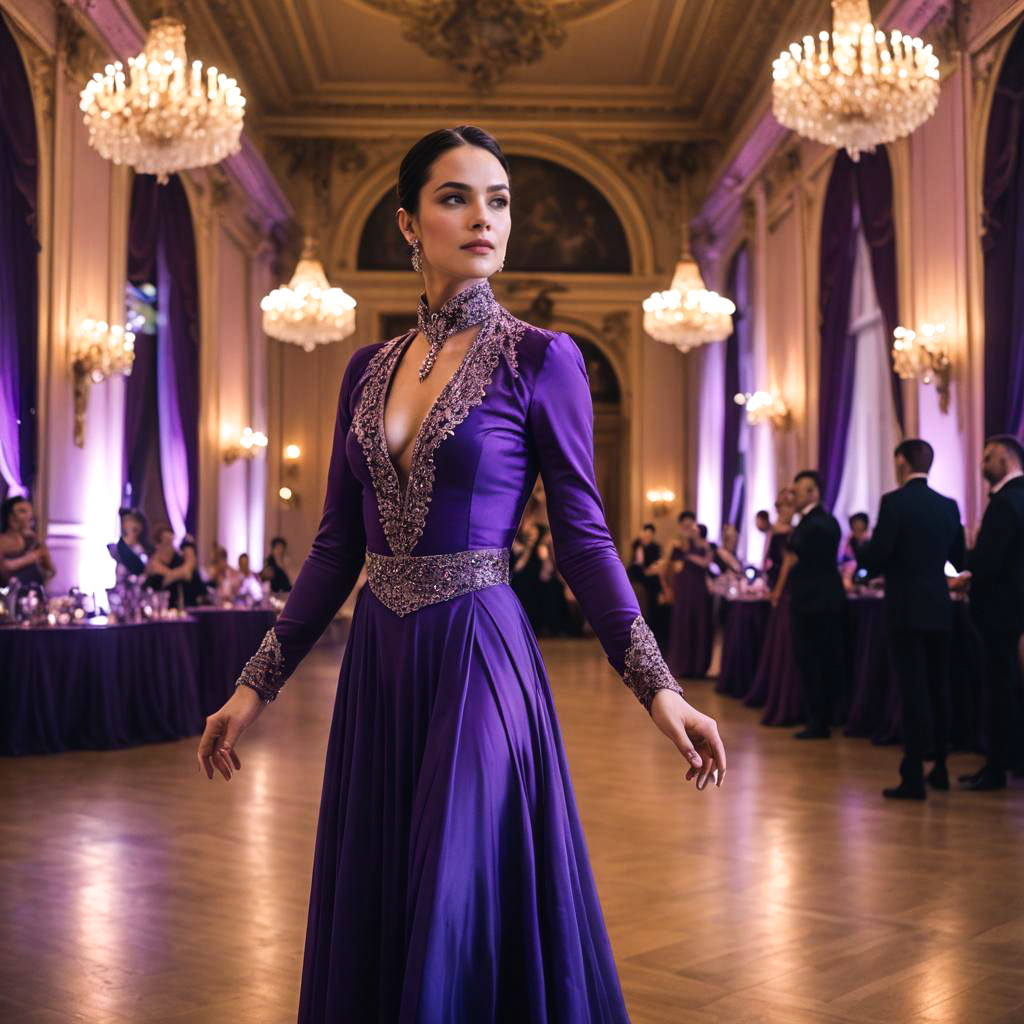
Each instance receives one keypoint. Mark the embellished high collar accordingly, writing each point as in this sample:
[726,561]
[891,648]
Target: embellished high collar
[469,307]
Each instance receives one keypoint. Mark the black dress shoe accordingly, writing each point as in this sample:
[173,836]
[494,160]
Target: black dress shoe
[812,734]
[987,780]
[904,792]
[938,777]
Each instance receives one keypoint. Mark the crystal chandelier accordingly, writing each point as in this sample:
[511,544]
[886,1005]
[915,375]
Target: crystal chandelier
[159,116]
[308,311]
[855,89]
[764,407]
[688,315]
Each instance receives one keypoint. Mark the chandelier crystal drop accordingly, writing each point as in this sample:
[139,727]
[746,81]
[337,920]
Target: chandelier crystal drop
[854,88]
[161,115]
[308,311]
[688,315]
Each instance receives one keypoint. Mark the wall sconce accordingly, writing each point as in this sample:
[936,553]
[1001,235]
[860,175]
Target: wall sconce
[765,407]
[288,496]
[924,354]
[660,501]
[292,452]
[98,350]
[249,444]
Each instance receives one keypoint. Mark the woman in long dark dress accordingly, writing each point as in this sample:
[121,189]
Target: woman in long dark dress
[451,881]
[691,630]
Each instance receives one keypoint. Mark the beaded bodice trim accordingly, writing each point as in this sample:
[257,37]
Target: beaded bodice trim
[407,583]
[263,671]
[403,515]
[646,672]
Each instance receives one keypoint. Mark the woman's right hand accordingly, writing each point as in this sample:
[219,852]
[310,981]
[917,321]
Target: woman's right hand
[224,727]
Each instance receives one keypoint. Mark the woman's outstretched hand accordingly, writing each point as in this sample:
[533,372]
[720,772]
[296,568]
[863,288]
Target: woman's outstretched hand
[217,746]
[694,733]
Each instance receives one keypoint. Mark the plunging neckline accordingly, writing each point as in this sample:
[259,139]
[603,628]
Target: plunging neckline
[403,347]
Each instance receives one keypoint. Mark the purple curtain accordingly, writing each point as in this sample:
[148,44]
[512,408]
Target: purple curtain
[868,185]
[1003,242]
[738,285]
[18,272]
[161,251]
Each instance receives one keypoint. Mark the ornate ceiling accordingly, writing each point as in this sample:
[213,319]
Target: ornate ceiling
[655,69]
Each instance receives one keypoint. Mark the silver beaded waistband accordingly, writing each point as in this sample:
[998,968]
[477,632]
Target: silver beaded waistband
[406,583]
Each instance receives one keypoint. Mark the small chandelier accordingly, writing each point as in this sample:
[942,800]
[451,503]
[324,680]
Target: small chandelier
[688,315]
[764,407]
[308,311]
[854,89]
[98,350]
[924,354]
[159,116]
[248,445]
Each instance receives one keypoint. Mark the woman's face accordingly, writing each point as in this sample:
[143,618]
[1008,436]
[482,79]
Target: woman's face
[131,529]
[21,517]
[465,200]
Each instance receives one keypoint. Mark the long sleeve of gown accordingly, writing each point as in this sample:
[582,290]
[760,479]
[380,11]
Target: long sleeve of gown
[329,572]
[561,424]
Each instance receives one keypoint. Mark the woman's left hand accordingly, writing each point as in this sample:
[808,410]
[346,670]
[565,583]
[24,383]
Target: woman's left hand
[694,733]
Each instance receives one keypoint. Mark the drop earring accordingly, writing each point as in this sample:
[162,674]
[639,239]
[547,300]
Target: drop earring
[417,259]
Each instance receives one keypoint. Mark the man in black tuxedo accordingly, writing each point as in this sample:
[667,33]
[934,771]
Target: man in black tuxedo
[996,566]
[918,531]
[817,602]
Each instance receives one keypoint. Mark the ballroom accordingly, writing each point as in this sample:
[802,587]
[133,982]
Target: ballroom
[714,398]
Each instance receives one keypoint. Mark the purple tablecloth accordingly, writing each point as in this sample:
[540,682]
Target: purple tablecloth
[228,637]
[98,687]
[777,686]
[742,643]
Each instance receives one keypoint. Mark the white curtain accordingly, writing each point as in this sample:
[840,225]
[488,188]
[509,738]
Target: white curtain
[874,430]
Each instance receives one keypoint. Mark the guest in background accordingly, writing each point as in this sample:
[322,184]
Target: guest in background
[223,577]
[917,532]
[725,553]
[691,626]
[996,566]
[763,524]
[642,571]
[778,538]
[274,571]
[249,588]
[23,555]
[527,557]
[817,603]
[195,588]
[131,551]
[168,568]
[860,534]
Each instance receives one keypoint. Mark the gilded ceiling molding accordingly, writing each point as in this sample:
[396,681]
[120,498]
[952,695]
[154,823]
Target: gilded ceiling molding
[483,39]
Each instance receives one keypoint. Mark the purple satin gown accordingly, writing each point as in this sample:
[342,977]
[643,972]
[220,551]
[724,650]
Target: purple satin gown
[691,632]
[451,883]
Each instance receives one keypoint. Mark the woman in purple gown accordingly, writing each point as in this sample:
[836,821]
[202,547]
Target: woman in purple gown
[451,881]
[691,632]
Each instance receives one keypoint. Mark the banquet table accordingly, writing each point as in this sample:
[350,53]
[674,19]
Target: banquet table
[106,686]
[746,620]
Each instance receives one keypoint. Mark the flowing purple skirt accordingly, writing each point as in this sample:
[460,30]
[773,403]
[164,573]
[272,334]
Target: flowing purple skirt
[691,632]
[777,686]
[451,883]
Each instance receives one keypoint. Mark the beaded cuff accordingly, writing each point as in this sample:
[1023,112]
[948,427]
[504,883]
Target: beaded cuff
[646,671]
[264,669]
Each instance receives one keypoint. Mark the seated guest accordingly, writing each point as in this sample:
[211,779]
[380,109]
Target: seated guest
[130,551]
[195,588]
[223,577]
[817,603]
[860,534]
[917,532]
[273,569]
[996,565]
[23,555]
[249,587]
[170,569]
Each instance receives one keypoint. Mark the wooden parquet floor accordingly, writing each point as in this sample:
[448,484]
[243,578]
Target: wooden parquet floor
[134,891]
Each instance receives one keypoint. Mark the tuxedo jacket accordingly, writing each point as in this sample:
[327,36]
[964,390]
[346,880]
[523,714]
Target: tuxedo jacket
[918,531]
[997,563]
[815,585]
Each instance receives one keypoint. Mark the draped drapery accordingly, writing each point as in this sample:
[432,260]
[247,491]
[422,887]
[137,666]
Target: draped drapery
[1003,243]
[18,272]
[161,251]
[733,476]
[866,185]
